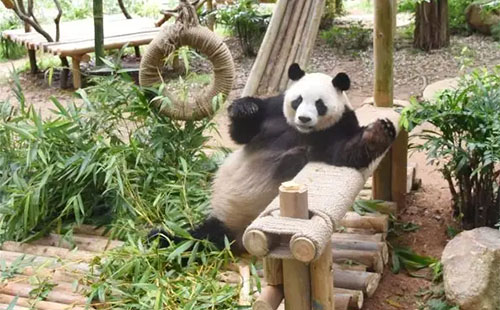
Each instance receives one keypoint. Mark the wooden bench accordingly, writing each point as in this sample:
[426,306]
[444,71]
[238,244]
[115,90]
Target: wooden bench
[77,38]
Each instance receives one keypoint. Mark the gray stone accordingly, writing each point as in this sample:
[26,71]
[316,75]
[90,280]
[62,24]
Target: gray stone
[471,264]
[434,89]
[480,19]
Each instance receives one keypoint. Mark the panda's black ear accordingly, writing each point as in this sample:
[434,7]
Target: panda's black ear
[295,73]
[341,81]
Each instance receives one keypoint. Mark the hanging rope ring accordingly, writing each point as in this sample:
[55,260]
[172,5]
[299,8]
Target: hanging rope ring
[187,32]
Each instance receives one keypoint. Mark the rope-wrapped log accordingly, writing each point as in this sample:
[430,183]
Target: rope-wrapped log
[169,39]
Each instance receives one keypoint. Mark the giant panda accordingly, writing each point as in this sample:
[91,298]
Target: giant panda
[311,121]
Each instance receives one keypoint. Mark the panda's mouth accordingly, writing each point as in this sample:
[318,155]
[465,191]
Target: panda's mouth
[304,128]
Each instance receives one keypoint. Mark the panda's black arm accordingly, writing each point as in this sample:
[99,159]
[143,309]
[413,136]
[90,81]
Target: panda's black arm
[247,114]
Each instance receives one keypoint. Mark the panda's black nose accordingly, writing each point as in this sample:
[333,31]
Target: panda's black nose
[304,119]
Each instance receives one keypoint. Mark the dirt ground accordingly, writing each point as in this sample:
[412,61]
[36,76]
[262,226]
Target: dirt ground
[429,207]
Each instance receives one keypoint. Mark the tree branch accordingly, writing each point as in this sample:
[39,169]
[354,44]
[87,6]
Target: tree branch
[57,19]
[124,10]
[21,13]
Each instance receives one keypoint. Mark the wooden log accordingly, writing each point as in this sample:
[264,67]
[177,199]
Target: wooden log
[367,282]
[303,249]
[357,298]
[245,298]
[54,274]
[91,230]
[296,276]
[270,298]
[82,242]
[312,31]
[399,166]
[55,295]
[383,86]
[273,271]
[259,243]
[378,237]
[46,261]
[350,266]
[377,222]
[322,280]
[342,301]
[372,259]
[268,42]
[361,231]
[7,306]
[49,251]
[361,245]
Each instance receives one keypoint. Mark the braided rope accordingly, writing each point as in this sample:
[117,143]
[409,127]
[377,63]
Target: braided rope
[188,32]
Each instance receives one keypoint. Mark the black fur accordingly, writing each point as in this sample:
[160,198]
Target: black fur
[295,73]
[341,81]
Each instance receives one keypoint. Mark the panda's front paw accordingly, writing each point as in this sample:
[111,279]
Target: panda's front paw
[243,108]
[379,135]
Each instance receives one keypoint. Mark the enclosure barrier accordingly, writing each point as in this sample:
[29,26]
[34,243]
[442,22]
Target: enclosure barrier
[295,236]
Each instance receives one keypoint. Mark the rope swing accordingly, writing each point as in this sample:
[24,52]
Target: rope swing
[186,31]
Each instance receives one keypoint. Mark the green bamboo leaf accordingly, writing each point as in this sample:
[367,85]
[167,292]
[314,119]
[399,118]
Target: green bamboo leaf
[20,131]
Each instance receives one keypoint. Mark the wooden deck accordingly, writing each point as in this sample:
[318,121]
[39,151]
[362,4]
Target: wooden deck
[77,38]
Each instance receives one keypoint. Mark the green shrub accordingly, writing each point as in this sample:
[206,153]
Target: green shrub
[244,20]
[465,145]
[407,6]
[495,32]
[9,49]
[456,11]
[351,37]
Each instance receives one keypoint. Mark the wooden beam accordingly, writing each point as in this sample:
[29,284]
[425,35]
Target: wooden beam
[383,37]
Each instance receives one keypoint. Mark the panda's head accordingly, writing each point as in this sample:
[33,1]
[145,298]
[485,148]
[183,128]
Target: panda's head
[314,101]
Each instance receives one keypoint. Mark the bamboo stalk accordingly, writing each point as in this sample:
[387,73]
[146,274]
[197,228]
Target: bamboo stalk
[312,31]
[98,32]
[357,299]
[46,261]
[7,306]
[270,298]
[377,222]
[367,282]
[296,277]
[245,298]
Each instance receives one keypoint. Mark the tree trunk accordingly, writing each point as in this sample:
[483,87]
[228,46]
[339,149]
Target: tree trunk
[99,32]
[431,25]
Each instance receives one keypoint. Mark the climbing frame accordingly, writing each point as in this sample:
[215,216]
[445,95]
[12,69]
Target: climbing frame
[289,38]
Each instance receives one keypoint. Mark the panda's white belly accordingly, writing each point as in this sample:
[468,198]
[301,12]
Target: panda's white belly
[243,187]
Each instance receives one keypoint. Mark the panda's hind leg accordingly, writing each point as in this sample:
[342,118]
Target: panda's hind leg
[246,115]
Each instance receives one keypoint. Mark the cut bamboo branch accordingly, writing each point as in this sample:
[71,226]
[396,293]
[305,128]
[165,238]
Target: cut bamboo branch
[296,276]
[273,271]
[357,298]
[367,282]
[49,251]
[345,244]
[245,298]
[377,222]
[372,259]
[55,295]
[270,298]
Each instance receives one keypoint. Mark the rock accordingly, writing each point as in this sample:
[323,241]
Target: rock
[434,89]
[471,264]
[482,20]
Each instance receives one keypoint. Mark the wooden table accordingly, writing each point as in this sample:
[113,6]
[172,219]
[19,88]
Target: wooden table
[77,38]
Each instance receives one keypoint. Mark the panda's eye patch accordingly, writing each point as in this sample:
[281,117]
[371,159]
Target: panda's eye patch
[296,102]
[321,107]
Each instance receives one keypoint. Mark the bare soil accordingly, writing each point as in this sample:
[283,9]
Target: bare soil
[430,206]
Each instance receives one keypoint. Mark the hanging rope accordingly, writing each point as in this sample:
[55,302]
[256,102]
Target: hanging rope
[186,31]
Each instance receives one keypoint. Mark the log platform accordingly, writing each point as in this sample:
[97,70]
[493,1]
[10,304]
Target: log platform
[77,38]
[63,262]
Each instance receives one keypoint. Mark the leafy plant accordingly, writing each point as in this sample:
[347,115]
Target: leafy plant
[495,32]
[465,145]
[9,49]
[351,37]
[244,20]
[407,259]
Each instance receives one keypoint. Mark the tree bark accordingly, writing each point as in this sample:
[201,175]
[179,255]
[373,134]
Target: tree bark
[99,32]
[431,25]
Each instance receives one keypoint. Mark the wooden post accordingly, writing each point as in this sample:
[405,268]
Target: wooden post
[322,280]
[383,85]
[269,299]
[77,75]
[296,277]
[98,33]
[399,169]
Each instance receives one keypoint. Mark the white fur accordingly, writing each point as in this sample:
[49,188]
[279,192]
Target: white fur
[311,87]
